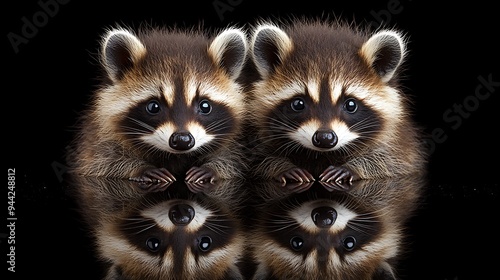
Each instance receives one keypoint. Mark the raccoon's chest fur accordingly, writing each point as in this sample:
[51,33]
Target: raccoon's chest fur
[316,162]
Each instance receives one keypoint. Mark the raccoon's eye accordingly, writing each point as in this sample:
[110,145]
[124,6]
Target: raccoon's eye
[153,244]
[153,107]
[349,243]
[350,105]
[204,243]
[297,243]
[298,104]
[205,107]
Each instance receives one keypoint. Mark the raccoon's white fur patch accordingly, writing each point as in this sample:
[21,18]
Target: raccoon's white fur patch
[160,137]
[302,215]
[304,133]
[113,247]
[386,99]
[384,248]
[313,90]
[160,214]
[336,91]
[190,90]
[280,254]
[311,262]
[278,94]
[168,91]
[344,134]
[229,94]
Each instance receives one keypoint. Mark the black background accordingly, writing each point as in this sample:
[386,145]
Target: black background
[51,75]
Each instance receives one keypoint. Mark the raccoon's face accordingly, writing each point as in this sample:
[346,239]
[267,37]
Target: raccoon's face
[326,237]
[172,92]
[325,89]
[172,239]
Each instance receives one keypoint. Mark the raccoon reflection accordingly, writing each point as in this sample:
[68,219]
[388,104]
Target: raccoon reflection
[324,234]
[171,234]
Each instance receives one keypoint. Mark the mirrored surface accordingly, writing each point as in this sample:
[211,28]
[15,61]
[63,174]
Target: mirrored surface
[247,230]
[323,233]
[163,231]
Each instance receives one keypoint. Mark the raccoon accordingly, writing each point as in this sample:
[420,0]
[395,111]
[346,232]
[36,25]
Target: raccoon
[325,234]
[169,106]
[328,105]
[168,234]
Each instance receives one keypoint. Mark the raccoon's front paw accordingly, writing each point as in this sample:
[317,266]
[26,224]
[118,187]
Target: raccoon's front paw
[153,187]
[200,175]
[295,175]
[154,176]
[339,178]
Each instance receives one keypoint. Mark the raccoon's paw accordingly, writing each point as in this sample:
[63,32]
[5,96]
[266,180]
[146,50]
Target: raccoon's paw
[154,176]
[153,187]
[298,187]
[295,175]
[200,187]
[200,175]
[339,178]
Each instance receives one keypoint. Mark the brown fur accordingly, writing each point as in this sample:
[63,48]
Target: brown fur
[382,208]
[167,65]
[116,216]
[325,54]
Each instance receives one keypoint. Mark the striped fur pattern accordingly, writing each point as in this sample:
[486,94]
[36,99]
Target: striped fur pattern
[169,107]
[172,234]
[328,105]
[320,234]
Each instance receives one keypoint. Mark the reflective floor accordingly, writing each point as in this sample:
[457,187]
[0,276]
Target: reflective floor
[450,235]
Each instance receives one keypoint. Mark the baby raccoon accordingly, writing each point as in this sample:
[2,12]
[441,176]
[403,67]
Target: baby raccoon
[169,107]
[325,234]
[171,234]
[328,105]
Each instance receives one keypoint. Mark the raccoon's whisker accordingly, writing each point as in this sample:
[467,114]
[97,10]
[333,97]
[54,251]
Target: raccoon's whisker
[263,141]
[273,120]
[288,148]
[218,125]
[363,124]
[141,227]
[148,149]
[216,228]
[279,227]
[142,124]
[133,131]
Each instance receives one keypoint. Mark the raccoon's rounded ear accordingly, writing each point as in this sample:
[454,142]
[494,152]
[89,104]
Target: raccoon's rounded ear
[120,50]
[384,51]
[229,50]
[269,47]
[384,272]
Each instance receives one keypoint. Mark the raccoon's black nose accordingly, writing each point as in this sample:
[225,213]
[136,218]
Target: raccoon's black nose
[181,141]
[324,216]
[324,139]
[181,214]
